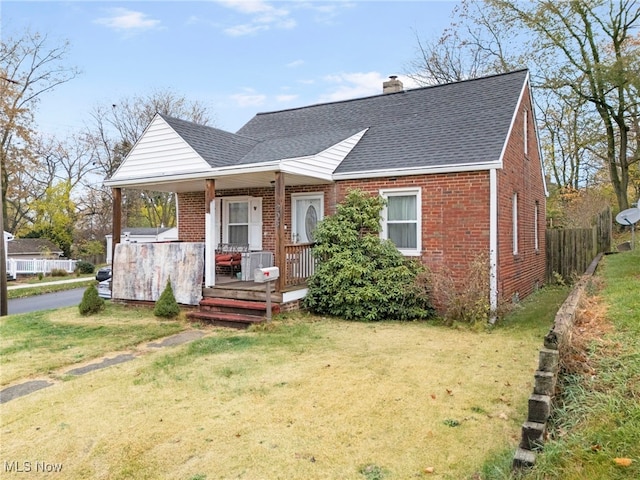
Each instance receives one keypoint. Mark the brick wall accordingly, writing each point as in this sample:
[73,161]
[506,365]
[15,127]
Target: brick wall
[191,210]
[455,211]
[521,273]
[191,215]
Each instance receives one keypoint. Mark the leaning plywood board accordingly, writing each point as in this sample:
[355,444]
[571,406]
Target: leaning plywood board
[141,271]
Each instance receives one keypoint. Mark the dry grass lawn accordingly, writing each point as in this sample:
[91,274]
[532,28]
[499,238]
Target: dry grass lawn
[305,399]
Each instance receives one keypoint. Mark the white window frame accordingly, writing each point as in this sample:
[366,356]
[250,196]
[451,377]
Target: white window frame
[514,214]
[536,215]
[226,201]
[525,128]
[254,225]
[390,192]
[304,196]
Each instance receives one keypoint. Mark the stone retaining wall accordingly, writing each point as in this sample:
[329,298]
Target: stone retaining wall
[534,430]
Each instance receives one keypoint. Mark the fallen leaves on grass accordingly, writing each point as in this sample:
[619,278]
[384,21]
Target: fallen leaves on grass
[623,462]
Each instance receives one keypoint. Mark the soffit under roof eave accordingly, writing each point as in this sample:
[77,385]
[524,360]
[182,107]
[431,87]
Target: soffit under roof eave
[405,172]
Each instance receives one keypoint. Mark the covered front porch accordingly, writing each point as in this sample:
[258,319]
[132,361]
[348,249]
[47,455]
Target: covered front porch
[280,213]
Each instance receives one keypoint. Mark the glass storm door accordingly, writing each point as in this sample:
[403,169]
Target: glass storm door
[307,212]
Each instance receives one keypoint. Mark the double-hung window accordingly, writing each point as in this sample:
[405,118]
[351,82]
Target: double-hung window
[401,219]
[238,224]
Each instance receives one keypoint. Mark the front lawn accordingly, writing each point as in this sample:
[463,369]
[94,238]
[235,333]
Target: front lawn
[302,398]
[42,342]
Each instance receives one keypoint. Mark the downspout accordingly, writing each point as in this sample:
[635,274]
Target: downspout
[493,244]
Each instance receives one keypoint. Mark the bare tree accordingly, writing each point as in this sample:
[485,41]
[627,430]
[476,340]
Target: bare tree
[114,131]
[596,60]
[477,43]
[29,68]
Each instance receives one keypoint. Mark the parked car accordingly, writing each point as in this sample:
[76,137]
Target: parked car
[103,274]
[104,289]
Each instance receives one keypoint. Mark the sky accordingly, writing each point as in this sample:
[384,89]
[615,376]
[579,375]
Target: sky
[236,57]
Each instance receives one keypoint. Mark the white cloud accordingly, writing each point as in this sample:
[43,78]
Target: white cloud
[286,98]
[353,85]
[250,98]
[263,16]
[124,19]
[357,85]
[295,63]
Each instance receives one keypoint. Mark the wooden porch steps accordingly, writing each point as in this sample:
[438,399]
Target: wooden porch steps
[229,312]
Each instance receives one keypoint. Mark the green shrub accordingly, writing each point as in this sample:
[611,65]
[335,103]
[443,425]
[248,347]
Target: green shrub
[85,267]
[166,306]
[91,301]
[358,275]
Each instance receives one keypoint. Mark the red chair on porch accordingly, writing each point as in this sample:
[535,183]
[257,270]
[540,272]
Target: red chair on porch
[229,255]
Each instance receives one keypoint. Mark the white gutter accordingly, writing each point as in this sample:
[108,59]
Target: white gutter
[218,172]
[403,172]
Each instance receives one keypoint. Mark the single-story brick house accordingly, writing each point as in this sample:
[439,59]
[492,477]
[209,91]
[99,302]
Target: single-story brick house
[459,164]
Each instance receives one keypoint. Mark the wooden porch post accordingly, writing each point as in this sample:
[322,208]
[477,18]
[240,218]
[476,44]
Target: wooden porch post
[209,246]
[116,220]
[280,256]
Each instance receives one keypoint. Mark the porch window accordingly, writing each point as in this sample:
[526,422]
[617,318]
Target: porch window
[239,221]
[401,219]
[238,225]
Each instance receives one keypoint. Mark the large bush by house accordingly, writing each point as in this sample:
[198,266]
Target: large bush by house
[359,276]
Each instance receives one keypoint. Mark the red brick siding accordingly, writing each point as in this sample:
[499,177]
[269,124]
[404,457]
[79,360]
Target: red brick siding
[455,216]
[520,274]
[191,210]
[191,215]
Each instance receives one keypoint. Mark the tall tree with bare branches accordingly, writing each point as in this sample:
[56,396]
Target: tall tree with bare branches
[29,67]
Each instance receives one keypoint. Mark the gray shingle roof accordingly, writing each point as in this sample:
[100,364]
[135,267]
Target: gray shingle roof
[32,246]
[457,123]
[217,147]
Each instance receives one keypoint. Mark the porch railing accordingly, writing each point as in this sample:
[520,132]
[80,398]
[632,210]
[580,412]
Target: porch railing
[38,265]
[300,264]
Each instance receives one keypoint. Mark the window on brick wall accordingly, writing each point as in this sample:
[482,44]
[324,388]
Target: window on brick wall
[241,221]
[536,214]
[514,214]
[402,219]
[525,128]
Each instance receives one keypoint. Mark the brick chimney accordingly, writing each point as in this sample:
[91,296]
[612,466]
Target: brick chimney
[393,85]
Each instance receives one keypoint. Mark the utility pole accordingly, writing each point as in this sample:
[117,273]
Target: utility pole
[4,308]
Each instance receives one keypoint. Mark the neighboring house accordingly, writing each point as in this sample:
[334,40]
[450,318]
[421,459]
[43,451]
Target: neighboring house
[142,235]
[33,248]
[459,164]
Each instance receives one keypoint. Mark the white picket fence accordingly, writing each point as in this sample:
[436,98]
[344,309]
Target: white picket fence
[34,266]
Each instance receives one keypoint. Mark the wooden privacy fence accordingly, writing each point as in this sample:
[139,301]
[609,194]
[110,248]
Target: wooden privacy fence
[571,250]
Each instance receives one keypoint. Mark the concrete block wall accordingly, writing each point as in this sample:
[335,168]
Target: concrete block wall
[534,429]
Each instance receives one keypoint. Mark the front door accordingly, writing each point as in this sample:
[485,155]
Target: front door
[308,210]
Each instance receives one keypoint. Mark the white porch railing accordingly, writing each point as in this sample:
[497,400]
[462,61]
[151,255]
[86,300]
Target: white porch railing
[38,265]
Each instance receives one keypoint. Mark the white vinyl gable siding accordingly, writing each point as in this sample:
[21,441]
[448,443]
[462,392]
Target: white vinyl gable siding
[323,164]
[159,152]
